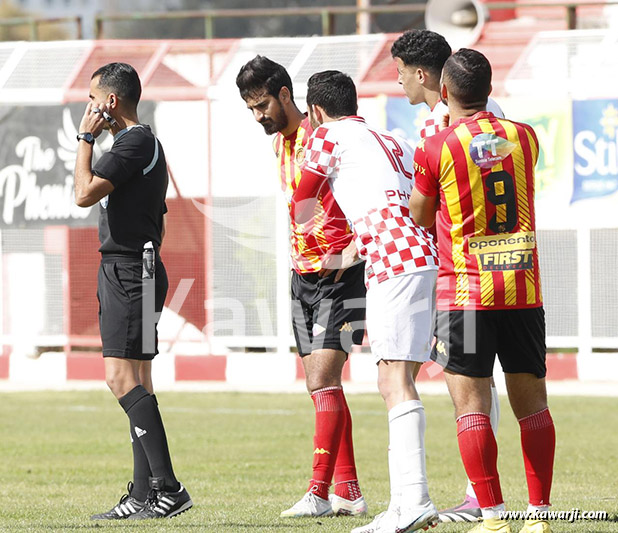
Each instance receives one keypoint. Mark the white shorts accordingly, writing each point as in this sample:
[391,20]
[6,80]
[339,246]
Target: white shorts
[401,317]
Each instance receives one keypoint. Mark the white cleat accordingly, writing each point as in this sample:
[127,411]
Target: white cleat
[385,522]
[415,518]
[342,506]
[308,505]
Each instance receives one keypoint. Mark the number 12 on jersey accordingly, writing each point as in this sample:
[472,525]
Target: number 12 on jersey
[394,154]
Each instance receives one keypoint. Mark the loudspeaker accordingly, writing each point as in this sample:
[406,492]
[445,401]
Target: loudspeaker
[459,21]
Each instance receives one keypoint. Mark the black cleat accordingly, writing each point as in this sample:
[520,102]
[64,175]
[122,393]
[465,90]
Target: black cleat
[126,507]
[163,504]
[467,511]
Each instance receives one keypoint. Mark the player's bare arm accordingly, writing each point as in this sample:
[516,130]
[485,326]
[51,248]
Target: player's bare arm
[89,189]
[423,208]
[340,262]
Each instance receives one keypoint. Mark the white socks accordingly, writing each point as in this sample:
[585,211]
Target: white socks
[406,454]
[493,512]
[537,508]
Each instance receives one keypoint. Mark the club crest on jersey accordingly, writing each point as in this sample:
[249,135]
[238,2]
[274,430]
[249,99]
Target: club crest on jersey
[300,155]
[487,149]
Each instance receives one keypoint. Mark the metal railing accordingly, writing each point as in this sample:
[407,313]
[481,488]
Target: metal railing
[325,14]
[34,23]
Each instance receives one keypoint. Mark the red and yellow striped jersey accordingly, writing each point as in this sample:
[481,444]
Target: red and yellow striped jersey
[482,167]
[327,233]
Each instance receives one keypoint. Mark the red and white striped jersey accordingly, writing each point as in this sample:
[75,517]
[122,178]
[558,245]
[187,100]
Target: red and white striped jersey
[370,174]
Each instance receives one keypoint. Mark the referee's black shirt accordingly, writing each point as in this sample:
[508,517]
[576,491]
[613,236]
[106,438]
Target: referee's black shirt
[132,214]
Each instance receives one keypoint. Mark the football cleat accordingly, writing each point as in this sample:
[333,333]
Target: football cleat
[415,518]
[344,507]
[164,504]
[535,526]
[492,525]
[385,522]
[308,505]
[467,511]
[126,507]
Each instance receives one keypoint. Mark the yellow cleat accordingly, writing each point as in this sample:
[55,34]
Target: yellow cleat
[536,526]
[492,525]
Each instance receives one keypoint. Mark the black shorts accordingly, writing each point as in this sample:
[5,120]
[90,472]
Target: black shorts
[120,292]
[467,341]
[329,315]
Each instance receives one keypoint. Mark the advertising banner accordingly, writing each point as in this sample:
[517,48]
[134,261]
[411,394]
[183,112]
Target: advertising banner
[552,123]
[37,159]
[595,148]
[405,119]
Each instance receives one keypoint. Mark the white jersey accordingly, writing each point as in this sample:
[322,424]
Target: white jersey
[370,174]
[433,123]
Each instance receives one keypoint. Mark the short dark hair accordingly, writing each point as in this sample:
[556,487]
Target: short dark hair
[334,92]
[422,48]
[122,79]
[467,74]
[262,73]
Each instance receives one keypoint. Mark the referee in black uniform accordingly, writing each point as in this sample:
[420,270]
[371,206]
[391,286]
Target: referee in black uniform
[130,183]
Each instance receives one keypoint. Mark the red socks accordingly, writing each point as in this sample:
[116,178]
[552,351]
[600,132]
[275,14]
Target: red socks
[538,443]
[330,409]
[479,453]
[346,480]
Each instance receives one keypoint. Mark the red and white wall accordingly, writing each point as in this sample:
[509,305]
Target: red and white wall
[260,371]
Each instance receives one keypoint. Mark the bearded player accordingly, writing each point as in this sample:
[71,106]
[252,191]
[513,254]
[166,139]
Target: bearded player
[328,295]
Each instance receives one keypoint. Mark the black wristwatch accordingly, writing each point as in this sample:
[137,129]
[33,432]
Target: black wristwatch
[88,137]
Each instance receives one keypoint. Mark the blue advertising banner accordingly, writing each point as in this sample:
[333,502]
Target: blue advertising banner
[595,148]
[405,119]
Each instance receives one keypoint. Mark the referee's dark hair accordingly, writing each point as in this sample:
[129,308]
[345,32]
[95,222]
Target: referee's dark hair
[262,73]
[334,92]
[122,79]
[467,76]
[422,48]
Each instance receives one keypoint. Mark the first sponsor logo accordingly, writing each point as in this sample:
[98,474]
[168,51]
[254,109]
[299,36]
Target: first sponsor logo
[513,251]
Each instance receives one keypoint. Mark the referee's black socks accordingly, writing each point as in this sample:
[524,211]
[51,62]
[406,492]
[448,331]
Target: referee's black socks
[141,468]
[143,413]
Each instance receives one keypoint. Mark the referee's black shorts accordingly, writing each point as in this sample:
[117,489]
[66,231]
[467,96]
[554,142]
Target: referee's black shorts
[467,342]
[329,315]
[120,291]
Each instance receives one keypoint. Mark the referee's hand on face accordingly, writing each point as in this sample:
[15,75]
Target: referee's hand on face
[93,121]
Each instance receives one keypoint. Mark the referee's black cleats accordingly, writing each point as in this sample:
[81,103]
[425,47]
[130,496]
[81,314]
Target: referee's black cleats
[126,507]
[163,504]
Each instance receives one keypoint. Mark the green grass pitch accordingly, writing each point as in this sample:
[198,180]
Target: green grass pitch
[245,457]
